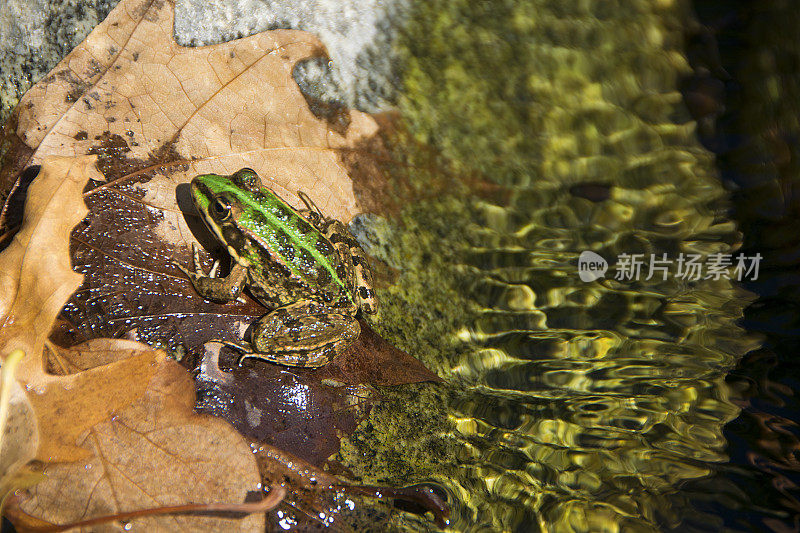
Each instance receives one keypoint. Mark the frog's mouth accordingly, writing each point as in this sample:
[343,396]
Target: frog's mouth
[201,197]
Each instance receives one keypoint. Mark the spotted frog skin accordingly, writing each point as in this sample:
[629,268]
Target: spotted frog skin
[304,265]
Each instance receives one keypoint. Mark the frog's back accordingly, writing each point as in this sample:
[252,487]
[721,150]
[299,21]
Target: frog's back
[288,245]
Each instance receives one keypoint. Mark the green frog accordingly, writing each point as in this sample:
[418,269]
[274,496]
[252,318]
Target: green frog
[306,266]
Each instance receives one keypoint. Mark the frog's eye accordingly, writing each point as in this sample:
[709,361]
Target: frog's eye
[247,179]
[221,208]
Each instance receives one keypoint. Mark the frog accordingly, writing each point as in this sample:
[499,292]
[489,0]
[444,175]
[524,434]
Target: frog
[304,266]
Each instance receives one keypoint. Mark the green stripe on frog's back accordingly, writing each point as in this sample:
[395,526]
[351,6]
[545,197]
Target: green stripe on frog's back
[270,221]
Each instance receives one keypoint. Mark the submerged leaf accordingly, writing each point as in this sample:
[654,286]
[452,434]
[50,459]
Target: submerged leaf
[299,409]
[281,408]
[374,360]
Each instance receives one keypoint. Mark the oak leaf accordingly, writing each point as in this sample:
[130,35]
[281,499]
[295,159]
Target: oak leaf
[176,112]
[35,282]
[35,274]
[155,452]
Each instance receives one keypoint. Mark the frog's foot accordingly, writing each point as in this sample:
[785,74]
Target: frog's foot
[197,266]
[310,205]
[253,355]
[293,359]
[245,348]
[212,286]
[312,214]
[302,358]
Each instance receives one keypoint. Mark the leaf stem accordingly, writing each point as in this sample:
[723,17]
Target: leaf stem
[267,503]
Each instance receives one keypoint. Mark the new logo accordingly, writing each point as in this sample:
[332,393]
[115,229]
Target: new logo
[591,266]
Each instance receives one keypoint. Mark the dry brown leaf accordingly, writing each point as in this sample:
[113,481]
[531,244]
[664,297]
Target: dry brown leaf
[35,282]
[190,111]
[155,452]
[20,440]
[35,274]
[67,405]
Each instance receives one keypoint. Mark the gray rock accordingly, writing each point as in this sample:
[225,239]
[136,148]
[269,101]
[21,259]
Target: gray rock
[358,34]
[36,34]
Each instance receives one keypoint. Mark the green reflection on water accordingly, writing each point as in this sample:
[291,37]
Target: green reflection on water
[571,406]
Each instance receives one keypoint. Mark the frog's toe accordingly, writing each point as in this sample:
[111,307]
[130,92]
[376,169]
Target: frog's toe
[182,269]
[245,349]
[245,355]
[214,268]
[197,265]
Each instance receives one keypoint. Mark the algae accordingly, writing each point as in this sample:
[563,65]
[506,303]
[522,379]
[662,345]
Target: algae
[571,406]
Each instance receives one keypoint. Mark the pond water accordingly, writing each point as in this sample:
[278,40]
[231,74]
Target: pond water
[654,398]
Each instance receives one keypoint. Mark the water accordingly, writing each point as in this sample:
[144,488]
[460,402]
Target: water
[630,405]
[755,140]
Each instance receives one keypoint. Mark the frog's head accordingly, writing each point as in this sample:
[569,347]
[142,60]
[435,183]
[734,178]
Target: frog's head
[220,200]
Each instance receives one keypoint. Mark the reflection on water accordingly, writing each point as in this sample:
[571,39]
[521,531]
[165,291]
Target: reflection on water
[577,406]
[750,53]
[592,402]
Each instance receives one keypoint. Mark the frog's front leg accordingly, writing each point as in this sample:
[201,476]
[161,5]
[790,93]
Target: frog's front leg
[211,287]
[303,334]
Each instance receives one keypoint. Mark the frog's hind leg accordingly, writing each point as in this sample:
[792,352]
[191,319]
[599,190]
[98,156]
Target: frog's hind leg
[362,280]
[356,259]
[303,334]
